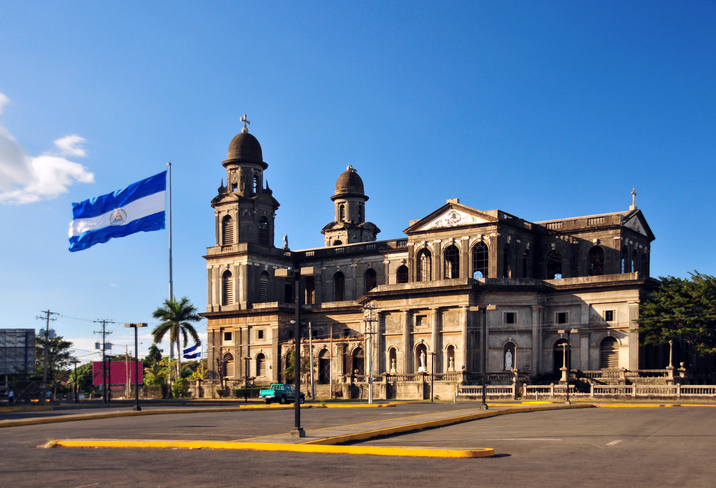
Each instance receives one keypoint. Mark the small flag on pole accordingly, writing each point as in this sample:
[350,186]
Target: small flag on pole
[191,352]
[136,208]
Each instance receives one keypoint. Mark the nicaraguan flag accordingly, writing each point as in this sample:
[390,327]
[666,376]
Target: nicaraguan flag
[137,208]
[191,352]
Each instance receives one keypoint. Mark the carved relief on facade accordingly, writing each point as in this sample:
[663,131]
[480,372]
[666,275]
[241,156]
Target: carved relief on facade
[452,218]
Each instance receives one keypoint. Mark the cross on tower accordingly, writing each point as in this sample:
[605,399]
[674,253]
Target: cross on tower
[633,198]
[245,121]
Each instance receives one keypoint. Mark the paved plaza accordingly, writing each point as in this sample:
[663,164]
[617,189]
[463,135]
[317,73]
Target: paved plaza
[653,446]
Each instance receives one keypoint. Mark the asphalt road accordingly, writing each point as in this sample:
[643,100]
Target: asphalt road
[588,447]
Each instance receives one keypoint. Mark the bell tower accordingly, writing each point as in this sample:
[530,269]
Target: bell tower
[245,208]
[349,225]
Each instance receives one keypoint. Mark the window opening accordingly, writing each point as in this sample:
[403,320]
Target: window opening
[609,315]
[370,280]
[526,265]
[596,261]
[452,263]
[424,271]
[339,286]
[264,287]
[263,231]
[479,260]
[402,274]
[227,336]
[227,288]
[260,333]
[507,262]
[227,231]
[561,317]
[509,318]
[554,265]
[609,354]
[309,290]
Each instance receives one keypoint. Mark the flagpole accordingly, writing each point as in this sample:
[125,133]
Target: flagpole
[171,278]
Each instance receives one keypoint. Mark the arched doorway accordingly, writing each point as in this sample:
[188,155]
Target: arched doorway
[324,367]
[358,362]
[228,361]
[609,353]
[260,365]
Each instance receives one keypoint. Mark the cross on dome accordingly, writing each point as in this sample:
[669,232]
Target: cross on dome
[245,121]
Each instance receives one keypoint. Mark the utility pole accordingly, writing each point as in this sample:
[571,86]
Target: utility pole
[310,357]
[45,354]
[104,333]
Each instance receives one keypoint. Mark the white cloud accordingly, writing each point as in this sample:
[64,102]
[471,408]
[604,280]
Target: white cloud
[27,179]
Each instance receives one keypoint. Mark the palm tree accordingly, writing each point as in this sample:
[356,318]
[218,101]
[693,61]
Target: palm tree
[176,318]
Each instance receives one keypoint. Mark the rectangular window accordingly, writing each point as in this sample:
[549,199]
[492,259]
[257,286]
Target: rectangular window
[421,320]
[561,317]
[609,315]
[509,318]
[260,333]
[227,336]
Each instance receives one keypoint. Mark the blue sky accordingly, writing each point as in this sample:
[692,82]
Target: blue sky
[544,110]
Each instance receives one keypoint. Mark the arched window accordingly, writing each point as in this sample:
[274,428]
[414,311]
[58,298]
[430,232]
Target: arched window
[421,358]
[425,265]
[358,362]
[257,183]
[339,287]
[507,261]
[451,358]
[401,276]
[526,265]
[227,231]
[452,263]
[324,367]
[264,287]
[608,354]
[337,242]
[370,280]
[228,362]
[479,260]
[341,213]
[625,260]
[644,265]
[309,288]
[508,356]
[559,356]
[260,365]
[554,265]
[634,262]
[392,360]
[263,231]
[596,261]
[361,217]
[227,288]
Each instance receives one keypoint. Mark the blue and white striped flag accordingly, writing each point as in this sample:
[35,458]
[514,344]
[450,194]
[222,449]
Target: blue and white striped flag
[191,352]
[136,208]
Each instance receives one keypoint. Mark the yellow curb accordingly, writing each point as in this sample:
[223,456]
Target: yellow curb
[402,429]
[257,446]
[637,405]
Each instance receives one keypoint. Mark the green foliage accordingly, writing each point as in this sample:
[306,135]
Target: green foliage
[158,373]
[58,356]
[176,318]
[681,309]
[83,378]
[199,374]
[180,389]
[289,372]
[153,356]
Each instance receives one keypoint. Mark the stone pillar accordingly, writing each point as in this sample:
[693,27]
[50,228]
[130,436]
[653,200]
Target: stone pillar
[275,353]
[211,351]
[379,356]
[464,257]
[210,289]
[242,294]
[536,359]
[386,269]
[438,263]
[352,289]
[633,337]
[407,349]
[584,350]
[465,342]
[494,255]
[436,346]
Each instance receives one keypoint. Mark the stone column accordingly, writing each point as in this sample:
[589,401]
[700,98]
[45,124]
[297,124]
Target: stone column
[242,294]
[633,345]
[438,263]
[275,353]
[386,269]
[407,349]
[494,255]
[536,359]
[210,289]
[464,257]
[465,342]
[211,350]
[379,355]
[435,339]
[584,350]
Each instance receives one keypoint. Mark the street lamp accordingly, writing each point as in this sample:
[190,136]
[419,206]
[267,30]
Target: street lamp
[483,406]
[246,379]
[432,376]
[567,358]
[136,408]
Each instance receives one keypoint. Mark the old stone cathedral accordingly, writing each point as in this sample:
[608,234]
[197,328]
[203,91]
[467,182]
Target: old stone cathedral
[411,306]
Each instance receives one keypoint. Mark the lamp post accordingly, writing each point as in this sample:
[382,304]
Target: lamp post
[568,356]
[483,354]
[246,379]
[136,326]
[432,376]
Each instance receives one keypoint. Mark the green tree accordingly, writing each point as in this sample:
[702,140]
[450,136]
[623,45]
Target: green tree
[83,378]
[176,318]
[681,309]
[288,373]
[58,357]
[154,355]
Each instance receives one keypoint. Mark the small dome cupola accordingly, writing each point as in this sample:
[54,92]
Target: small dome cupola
[349,184]
[245,148]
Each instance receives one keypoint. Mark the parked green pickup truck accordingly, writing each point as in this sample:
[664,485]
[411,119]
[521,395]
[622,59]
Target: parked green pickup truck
[281,393]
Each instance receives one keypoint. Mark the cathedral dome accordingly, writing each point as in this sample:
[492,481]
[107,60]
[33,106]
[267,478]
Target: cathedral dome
[349,184]
[245,147]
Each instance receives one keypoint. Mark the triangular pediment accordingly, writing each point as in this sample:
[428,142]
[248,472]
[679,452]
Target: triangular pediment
[450,216]
[637,223]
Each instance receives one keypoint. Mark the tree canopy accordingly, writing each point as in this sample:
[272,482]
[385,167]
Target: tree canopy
[176,318]
[681,309]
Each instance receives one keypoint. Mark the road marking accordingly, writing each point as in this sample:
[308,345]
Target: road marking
[525,439]
[613,443]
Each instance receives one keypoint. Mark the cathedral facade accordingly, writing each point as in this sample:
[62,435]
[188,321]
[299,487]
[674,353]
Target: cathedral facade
[418,304]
